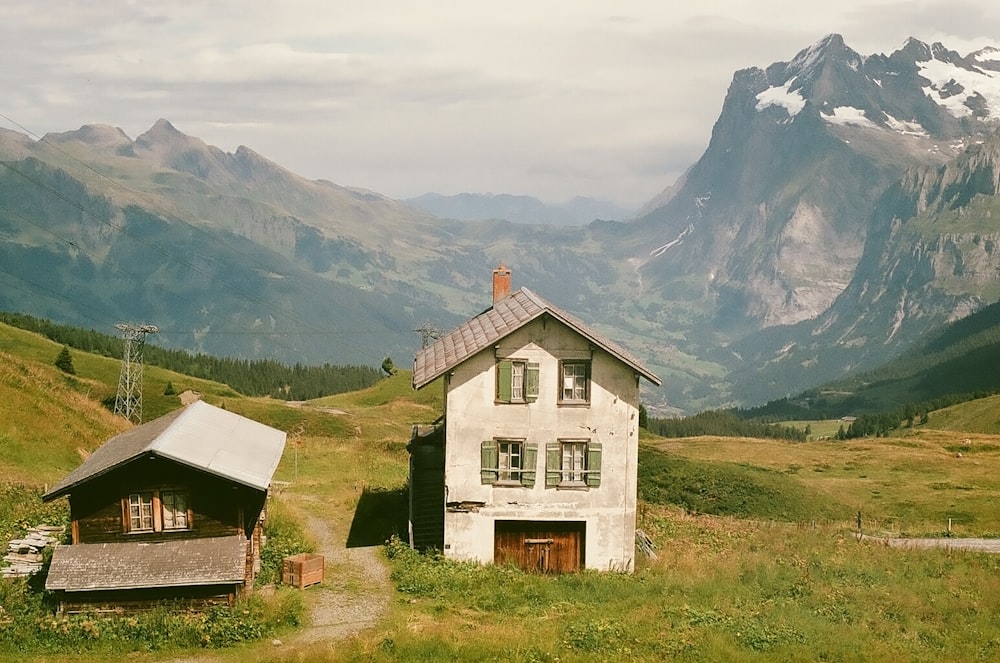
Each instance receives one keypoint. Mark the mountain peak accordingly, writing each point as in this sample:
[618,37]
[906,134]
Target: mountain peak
[95,135]
[830,48]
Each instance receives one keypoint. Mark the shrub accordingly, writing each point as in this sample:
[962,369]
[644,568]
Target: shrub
[285,537]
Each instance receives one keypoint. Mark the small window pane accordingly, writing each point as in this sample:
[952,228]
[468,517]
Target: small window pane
[573,461]
[140,511]
[509,463]
[574,381]
[175,515]
[517,381]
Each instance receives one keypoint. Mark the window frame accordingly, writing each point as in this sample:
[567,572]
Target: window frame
[588,476]
[139,507]
[178,509]
[492,471]
[525,373]
[584,374]
[149,506]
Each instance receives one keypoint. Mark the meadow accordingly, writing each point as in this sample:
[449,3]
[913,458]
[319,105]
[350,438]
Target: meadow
[757,557]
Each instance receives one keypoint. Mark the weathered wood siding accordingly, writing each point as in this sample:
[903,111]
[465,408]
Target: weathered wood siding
[219,507]
[146,599]
[540,546]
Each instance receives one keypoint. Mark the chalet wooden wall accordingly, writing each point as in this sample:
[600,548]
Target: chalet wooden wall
[220,507]
[145,599]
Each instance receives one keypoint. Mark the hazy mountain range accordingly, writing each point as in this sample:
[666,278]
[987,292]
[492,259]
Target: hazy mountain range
[517,209]
[844,207]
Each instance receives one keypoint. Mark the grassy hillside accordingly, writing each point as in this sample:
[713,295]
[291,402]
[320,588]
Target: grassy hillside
[756,554]
[945,366]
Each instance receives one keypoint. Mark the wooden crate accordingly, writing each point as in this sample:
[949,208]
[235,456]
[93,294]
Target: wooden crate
[302,570]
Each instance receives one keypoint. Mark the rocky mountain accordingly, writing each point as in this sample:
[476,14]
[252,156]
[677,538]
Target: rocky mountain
[753,276]
[516,209]
[932,257]
[773,217]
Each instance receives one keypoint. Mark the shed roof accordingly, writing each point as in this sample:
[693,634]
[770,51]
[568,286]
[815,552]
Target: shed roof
[503,318]
[199,435]
[136,565]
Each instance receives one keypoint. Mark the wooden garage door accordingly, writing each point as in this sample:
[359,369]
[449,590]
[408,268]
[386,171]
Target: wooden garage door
[540,546]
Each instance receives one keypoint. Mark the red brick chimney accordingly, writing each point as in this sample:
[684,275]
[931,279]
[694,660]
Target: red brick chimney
[501,282]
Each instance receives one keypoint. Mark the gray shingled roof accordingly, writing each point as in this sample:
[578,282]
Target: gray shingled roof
[200,436]
[134,565]
[504,317]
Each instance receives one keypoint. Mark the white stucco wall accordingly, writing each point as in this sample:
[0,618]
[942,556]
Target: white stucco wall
[611,418]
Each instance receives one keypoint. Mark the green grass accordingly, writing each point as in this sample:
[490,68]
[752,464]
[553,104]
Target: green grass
[730,489]
[910,484]
[757,559]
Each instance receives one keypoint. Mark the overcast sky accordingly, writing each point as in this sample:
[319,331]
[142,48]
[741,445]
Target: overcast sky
[611,99]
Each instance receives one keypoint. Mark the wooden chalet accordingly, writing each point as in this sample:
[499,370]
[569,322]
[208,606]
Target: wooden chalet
[170,510]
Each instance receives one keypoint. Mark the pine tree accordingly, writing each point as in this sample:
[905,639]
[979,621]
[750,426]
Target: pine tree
[64,361]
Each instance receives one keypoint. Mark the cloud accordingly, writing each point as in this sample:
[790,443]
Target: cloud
[553,99]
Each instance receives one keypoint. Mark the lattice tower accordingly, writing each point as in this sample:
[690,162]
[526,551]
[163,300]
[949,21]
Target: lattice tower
[128,403]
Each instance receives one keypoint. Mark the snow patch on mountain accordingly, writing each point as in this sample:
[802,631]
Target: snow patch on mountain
[660,250]
[955,87]
[783,96]
[904,127]
[849,115]
[988,55]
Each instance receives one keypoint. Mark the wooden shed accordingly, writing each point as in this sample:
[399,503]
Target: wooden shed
[171,509]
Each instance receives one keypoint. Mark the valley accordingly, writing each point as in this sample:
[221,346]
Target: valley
[755,540]
[832,220]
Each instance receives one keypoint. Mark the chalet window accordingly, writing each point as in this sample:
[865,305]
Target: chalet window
[158,511]
[175,510]
[573,464]
[574,383]
[508,462]
[140,512]
[517,381]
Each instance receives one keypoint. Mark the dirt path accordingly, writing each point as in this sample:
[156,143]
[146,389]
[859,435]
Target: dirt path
[977,545]
[354,594]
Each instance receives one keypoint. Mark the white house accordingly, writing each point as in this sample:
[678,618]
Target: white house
[534,460]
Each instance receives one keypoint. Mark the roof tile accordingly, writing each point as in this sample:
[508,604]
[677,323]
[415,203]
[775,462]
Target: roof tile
[504,317]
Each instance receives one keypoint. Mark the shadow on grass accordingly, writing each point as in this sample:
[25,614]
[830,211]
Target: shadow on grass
[381,512]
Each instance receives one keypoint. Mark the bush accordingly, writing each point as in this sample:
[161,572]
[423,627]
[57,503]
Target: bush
[285,537]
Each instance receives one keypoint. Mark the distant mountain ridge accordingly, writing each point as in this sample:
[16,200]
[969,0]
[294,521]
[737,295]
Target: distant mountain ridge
[516,209]
[753,276]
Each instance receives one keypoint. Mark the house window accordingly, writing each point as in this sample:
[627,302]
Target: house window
[157,511]
[517,381]
[175,510]
[508,462]
[140,512]
[573,464]
[574,384]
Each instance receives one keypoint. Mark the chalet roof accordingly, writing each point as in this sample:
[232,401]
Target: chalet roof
[135,565]
[199,435]
[503,318]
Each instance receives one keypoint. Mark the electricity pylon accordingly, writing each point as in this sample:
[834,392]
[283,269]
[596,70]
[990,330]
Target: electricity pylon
[427,334]
[128,403]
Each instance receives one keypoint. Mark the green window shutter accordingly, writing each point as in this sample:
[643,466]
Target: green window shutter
[504,371]
[531,381]
[529,461]
[488,453]
[553,464]
[594,464]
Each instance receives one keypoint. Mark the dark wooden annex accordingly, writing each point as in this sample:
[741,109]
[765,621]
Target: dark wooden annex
[171,510]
